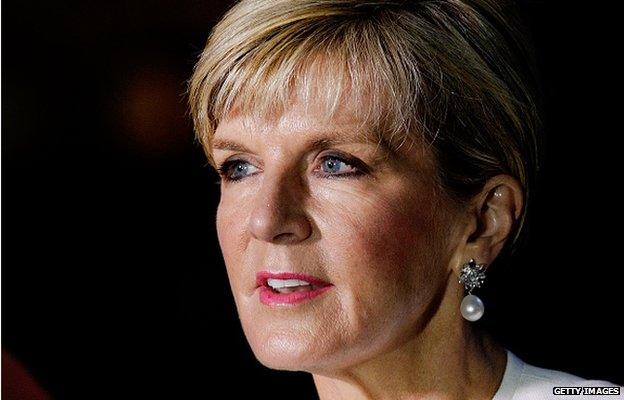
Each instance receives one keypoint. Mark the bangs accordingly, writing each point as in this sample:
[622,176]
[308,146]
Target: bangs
[329,69]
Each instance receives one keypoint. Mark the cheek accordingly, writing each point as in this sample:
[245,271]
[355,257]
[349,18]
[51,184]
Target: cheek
[230,222]
[384,235]
[383,251]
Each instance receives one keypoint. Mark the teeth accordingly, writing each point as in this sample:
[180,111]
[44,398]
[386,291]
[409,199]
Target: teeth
[286,283]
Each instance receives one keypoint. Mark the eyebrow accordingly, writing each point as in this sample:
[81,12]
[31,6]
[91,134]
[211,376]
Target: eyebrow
[224,144]
[323,142]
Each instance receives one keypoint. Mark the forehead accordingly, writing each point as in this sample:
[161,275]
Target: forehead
[300,130]
[303,126]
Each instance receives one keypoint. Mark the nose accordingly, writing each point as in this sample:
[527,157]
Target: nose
[278,215]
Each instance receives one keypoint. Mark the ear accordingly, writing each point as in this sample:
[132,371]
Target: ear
[492,215]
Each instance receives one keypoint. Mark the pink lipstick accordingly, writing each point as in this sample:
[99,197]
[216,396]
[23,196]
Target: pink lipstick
[286,288]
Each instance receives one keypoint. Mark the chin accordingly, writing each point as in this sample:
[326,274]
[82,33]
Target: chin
[288,351]
[283,351]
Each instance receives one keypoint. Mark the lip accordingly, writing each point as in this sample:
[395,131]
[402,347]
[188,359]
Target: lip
[270,297]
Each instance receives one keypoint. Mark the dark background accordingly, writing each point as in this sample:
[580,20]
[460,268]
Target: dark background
[112,282]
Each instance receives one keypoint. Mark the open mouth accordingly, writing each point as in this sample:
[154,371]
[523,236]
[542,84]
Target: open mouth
[288,287]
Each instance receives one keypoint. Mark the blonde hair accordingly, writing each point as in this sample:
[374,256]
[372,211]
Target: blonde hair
[451,72]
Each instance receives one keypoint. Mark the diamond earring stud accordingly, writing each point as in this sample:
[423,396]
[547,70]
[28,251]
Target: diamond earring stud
[472,276]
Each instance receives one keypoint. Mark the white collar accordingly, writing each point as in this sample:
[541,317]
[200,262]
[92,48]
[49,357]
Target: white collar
[511,377]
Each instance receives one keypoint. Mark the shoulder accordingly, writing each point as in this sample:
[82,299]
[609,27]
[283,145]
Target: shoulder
[523,381]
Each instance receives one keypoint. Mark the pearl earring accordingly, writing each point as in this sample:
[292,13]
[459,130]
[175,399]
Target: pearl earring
[472,276]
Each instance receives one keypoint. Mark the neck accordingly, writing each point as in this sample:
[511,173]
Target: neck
[449,359]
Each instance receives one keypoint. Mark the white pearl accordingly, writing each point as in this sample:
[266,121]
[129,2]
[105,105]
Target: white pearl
[472,307]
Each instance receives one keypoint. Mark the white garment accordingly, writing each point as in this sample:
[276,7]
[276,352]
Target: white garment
[522,381]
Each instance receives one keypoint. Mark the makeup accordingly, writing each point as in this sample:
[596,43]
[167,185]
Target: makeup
[288,288]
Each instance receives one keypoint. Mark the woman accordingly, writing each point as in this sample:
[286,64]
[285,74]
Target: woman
[376,157]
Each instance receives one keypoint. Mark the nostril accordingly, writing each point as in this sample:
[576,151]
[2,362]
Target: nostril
[280,226]
[284,237]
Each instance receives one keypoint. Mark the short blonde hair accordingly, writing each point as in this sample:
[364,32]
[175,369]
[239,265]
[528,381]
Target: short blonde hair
[452,72]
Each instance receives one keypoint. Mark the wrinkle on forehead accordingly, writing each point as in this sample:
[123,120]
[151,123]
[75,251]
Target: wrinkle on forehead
[305,123]
[313,132]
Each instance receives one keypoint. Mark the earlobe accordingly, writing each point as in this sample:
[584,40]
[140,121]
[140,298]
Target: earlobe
[496,211]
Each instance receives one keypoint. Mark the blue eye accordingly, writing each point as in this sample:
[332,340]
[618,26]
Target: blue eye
[335,166]
[331,166]
[235,170]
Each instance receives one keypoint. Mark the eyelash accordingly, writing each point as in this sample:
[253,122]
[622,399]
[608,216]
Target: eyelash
[225,168]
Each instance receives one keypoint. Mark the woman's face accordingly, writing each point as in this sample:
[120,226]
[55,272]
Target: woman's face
[335,247]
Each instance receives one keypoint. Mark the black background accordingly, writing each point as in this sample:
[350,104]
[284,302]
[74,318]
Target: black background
[113,285]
